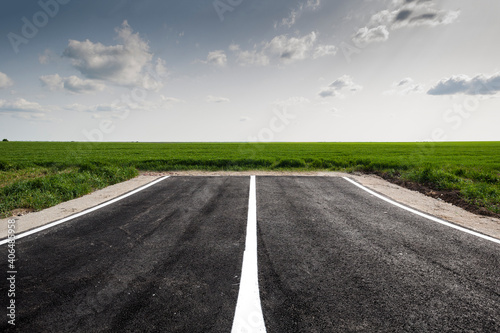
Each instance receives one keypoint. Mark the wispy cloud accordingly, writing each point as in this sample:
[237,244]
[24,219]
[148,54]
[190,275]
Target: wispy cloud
[366,35]
[167,99]
[215,99]
[296,13]
[325,50]
[249,58]
[284,50]
[291,49]
[216,58]
[72,84]
[342,84]
[405,87]
[5,81]
[46,57]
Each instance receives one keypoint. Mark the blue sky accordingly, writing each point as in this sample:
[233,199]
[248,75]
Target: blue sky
[240,70]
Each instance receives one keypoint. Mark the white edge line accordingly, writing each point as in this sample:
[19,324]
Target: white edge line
[429,217]
[248,315]
[66,219]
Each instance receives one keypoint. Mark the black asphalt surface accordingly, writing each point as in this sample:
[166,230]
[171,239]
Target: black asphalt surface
[167,259]
[332,258]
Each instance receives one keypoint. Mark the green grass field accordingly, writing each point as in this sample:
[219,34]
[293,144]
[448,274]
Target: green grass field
[36,175]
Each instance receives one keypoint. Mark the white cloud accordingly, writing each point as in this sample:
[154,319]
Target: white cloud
[313,4]
[384,17]
[72,84]
[342,84]
[283,49]
[462,84]
[154,75]
[109,109]
[21,105]
[324,50]
[215,99]
[216,58]
[79,86]
[403,13]
[296,13]
[76,107]
[290,19]
[405,87]
[52,82]
[365,36]
[124,64]
[171,99]
[425,15]
[249,58]
[5,81]
[291,49]
[46,57]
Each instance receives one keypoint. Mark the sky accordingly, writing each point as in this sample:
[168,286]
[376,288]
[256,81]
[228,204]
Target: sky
[258,71]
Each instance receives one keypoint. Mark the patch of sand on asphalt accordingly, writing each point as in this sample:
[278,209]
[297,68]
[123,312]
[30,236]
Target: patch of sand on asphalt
[486,225]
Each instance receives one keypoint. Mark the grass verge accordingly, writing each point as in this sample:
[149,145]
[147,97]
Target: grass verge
[36,192]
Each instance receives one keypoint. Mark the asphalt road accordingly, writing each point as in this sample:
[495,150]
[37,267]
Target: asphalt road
[332,258]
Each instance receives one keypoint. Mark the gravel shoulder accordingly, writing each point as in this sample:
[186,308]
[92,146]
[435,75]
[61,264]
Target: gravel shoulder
[483,224]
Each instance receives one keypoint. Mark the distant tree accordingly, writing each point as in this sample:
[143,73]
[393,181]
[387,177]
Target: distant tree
[5,140]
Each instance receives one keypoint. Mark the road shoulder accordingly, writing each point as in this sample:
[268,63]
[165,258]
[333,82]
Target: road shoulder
[486,225]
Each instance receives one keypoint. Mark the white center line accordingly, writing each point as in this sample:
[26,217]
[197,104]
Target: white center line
[69,218]
[429,217]
[248,316]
